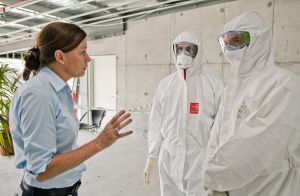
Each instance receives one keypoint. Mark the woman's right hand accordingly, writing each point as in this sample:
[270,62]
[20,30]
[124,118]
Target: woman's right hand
[110,133]
[62,162]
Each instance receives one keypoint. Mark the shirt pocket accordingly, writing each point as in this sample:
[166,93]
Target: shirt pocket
[67,130]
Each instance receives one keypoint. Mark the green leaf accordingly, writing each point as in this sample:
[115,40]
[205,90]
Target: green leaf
[9,82]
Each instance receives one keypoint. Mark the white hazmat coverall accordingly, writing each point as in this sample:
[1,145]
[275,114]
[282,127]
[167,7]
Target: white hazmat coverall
[254,149]
[180,122]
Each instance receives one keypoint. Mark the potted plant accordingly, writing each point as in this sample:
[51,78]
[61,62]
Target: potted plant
[9,81]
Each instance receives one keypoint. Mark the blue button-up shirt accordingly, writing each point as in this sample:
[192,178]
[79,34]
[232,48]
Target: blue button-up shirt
[43,124]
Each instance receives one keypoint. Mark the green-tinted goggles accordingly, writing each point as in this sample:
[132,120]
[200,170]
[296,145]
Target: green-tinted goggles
[233,40]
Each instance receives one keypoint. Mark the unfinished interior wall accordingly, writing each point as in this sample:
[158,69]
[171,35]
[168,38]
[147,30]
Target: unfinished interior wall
[144,51]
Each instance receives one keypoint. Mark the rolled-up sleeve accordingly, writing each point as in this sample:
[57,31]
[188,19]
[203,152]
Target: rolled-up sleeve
[37,121]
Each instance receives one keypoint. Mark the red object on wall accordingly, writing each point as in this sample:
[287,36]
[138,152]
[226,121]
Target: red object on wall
[74,99]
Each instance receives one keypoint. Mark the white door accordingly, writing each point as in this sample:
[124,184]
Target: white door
[104,84]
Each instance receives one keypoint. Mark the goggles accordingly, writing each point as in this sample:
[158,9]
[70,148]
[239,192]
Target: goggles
[187,48]
[234,40]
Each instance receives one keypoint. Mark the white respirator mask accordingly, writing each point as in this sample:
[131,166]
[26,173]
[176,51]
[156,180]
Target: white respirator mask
[184,61]
[235,57]
[185,53]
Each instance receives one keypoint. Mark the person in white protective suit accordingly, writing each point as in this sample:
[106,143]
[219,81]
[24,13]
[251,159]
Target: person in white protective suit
[254,148]
[183,112]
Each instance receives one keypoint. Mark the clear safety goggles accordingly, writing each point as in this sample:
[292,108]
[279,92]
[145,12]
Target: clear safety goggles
[234,40]
[187,48]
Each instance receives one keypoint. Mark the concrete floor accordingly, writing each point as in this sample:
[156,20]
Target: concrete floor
[116,171]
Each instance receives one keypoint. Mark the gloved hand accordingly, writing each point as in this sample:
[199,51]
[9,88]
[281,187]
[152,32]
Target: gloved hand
[210,192]
[148,169]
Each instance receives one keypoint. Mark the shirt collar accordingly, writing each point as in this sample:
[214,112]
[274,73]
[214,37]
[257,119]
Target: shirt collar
[56,82]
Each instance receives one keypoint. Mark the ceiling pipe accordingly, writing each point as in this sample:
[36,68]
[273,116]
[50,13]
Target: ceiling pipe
[44,13]
[125,11]
[118,18]
[148,11]
[80,22]
[68,18]
[21,4]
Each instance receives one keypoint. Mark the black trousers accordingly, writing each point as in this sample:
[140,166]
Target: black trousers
[27,190]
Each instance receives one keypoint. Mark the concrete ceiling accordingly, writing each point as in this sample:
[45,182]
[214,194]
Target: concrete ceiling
[20,20]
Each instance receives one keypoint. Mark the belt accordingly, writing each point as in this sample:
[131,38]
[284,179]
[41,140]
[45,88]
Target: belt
[34,191]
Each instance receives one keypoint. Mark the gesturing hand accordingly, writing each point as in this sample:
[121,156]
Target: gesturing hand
[111,133]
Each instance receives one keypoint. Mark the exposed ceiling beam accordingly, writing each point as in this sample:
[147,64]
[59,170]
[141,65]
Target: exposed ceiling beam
[150,11]
[97,18]
[126,14]
[17,46]
[7,8]
[44,13]
[65,19]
